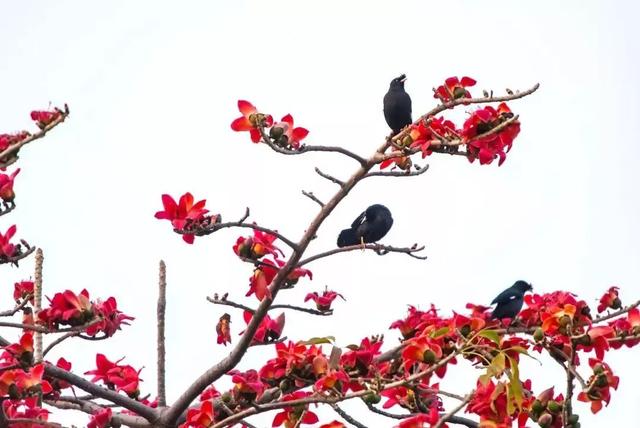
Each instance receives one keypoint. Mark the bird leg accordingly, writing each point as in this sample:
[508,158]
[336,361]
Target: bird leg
[362,243]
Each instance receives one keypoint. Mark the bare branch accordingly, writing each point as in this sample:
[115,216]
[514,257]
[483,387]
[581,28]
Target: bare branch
[446,417]
[347,417]
[11,312]
[19,254]
[329,177]
[313,197]
[92,408]
[398,173]
[6,207]
[225,302]
[58,341]
[162,305]
[379,249]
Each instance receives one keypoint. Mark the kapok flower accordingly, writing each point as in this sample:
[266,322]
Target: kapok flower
[67,308]
[323,301]
[111,319]
[421,350]
[120,377]
[559,317]
[269,329]
[248,385]
[27,408]
[598,385]
[6,186]
[610,299]
[251,120]
[183,213]
[223,329]
[21,352]
[333,424]
[295,416]
[454,88]
[100,419]
[23,290]
[44,118]
[484,145]
[286,135]
[200,417]
[402,162]
[256,246]
[7,249]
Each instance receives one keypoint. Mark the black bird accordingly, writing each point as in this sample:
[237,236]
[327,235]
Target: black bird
[370,226]
[510,301]
[397,105]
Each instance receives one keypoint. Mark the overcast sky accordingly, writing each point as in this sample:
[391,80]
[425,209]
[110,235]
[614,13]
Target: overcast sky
[152,88]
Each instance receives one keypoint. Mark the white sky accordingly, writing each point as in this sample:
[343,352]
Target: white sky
[152,88]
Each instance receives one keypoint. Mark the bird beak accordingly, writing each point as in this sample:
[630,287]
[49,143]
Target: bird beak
[403,79]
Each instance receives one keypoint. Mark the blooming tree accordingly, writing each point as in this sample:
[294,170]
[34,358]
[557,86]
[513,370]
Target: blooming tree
[397,380]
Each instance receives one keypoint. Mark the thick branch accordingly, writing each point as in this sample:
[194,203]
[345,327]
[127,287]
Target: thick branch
[162,304]
[128,403]
[37,289]
[377,248]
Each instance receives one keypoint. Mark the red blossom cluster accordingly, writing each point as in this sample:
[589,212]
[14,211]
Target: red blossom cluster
[454,88]
[23,290]
[186,214]
[43,118]
[282,134]
[6,186]
[323,301]
[69,308]
[116,376]
[8,250]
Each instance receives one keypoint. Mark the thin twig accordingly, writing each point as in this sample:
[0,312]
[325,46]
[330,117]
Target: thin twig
[92,408]
[313,197]
[377,248]
[162,304]
[347,417]
[11,312]
[398,173]
[208,230]
[329,177]
[225,302]
[444,418]
[58,341]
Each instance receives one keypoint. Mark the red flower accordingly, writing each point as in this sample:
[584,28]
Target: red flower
[122,377]
[261,279]
[32,380]
[248,385]
[421,419]
[110,318]
[454,88]
[200,418]
[27,408]
[67,308]
[223,329]
[598,385]
[487,147]
[251,120]
[20,353]
[421,349]
[7,140]
[44,118]
[183,213]
[610,300]
[295,416]
[100,419]
[284,133]
[558,317]
[402,162]
[323,302]
[333,424]
[23,290]
[269,329]
[257,246]
[58,384]
[7,249]
[6,186]
[361,357]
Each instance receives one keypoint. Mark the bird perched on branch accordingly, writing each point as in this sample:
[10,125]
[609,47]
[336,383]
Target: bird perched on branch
[370,226]
[397,105]
[510,301]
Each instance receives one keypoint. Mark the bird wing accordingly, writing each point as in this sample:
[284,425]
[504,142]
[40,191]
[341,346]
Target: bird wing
[507,295]
[358,221]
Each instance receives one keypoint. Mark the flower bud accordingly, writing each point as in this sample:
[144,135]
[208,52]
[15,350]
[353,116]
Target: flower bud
[276,132]
[537,406]
[545,420]
[407,140]
[459,92]
[602,381]
[429,356]
[372,398]
[538,335]
[554,406]
[616,304]
[573,419]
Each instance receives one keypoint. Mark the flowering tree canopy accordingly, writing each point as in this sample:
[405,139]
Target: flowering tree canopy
[398,380]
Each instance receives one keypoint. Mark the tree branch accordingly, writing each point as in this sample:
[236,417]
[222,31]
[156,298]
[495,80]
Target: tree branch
[160,313]
[329,177]
[146,412]
[379,249]
[398,173]
[313,197]
[90,408]
[347,417]
[446,417]
[308,148]
[37,290]
[13,149]
[11,312]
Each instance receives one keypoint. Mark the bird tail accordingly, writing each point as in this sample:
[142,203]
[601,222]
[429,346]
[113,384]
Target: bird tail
[348,237]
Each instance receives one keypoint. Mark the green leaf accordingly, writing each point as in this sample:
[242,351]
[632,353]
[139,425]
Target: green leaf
[515,386]
[317,340]
[440,332]
[492,335]
[497,366]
